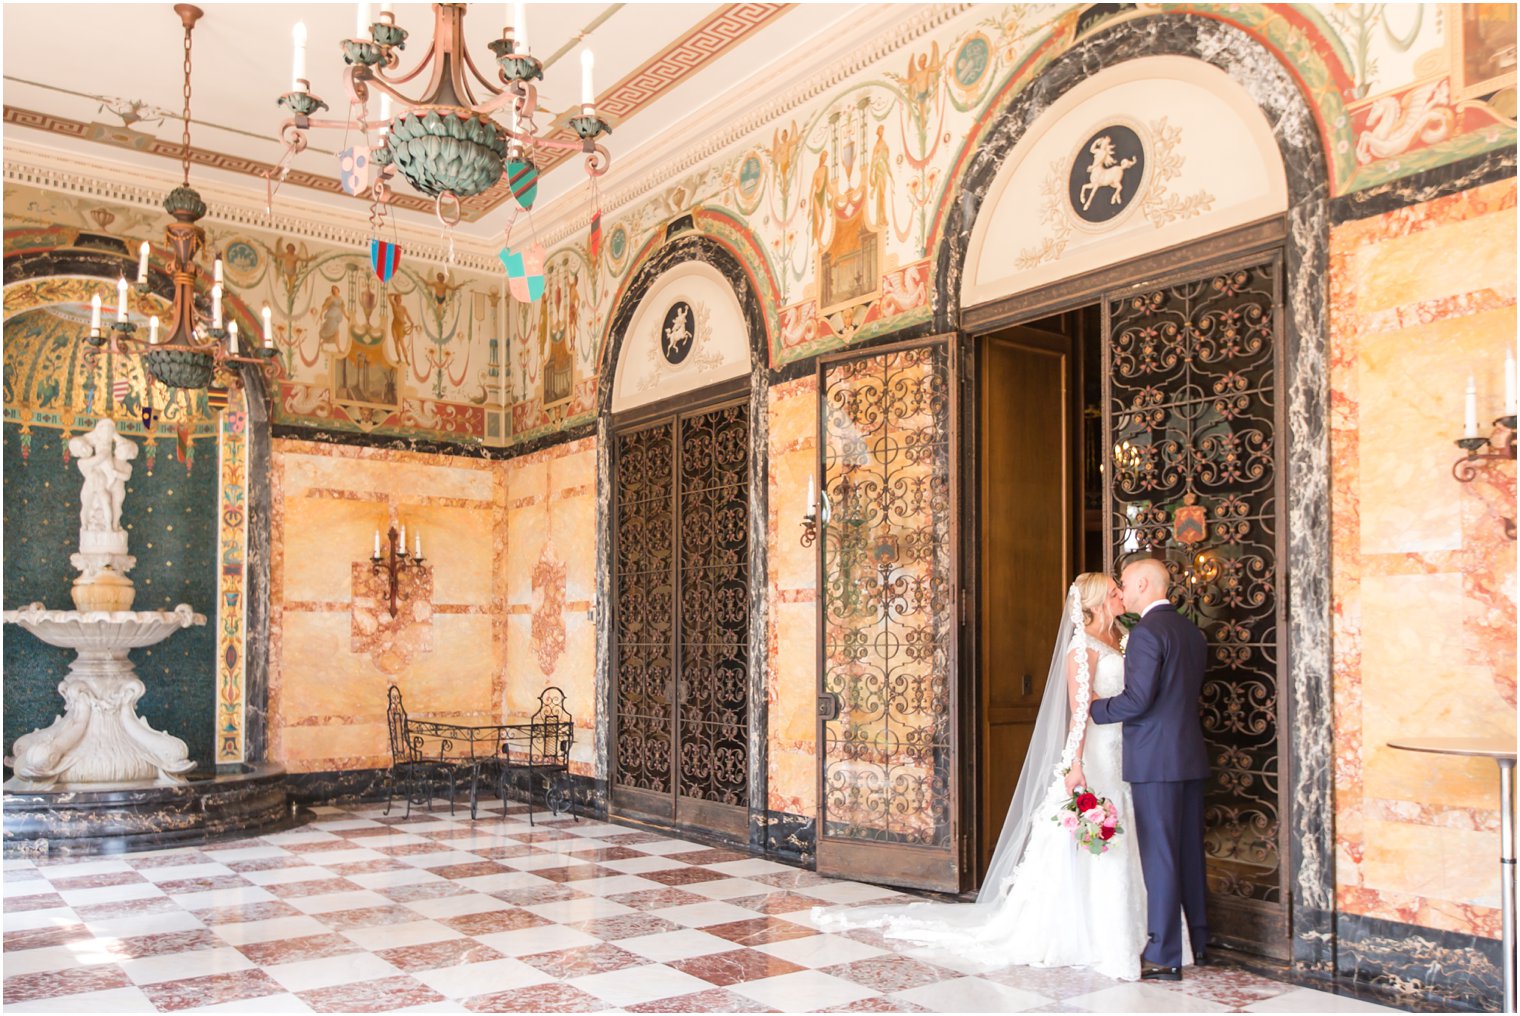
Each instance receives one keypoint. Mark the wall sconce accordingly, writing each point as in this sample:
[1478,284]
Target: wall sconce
[397,561]
[811,520]
[1501,444]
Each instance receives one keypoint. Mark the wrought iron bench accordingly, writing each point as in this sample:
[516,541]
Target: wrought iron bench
[541,748]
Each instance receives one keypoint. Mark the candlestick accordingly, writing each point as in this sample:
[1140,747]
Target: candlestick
[153,330]
[268,330]
[142,263]
[298,62]
[1509,381]
[95,313]
[216,306]
[588,93]
[361,21]
[121,298]
[1470,423]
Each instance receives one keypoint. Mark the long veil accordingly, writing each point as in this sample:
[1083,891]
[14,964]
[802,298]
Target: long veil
[1040,788]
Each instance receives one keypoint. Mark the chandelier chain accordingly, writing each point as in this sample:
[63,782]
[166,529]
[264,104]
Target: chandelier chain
[185,135]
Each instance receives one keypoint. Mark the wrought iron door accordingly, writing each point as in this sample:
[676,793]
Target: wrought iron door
[1193,420]
[682,620]
[887,731]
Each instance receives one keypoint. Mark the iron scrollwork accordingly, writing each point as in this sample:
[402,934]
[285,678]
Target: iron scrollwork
[1194,460]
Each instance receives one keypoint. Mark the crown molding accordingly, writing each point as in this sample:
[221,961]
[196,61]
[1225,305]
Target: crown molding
[84,175]
[872,37]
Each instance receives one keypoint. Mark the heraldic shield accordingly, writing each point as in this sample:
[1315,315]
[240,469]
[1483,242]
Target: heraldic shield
[384,257]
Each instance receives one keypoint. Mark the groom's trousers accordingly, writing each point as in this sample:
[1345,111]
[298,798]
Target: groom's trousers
[1169,832]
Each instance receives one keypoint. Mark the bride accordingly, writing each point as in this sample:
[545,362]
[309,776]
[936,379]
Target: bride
[1045,902]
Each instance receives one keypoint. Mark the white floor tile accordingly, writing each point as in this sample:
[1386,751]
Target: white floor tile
[240,896]
[613,885]
[351,855]
[803,991]
[971,994]
[85,953]
[633,985]
[391,936]
[641,865]
[469,979]
[1309,1000]
[175,966]
[699,915]
[110,894]
[77,869]
[748,868]
[247,932]
[501,882]
[266,1003]
[729,888]
[675,945]
[326,903]
[1142,998]
[529,941]
[282,876]
[669,847]
[821,950]
[849,892]
[440,859]
[244,853]
[29,920]
[174,873]
[584,909]
[456,906]
[31,887]
[114,1000]
[304,975]
[144,924]
[387,879]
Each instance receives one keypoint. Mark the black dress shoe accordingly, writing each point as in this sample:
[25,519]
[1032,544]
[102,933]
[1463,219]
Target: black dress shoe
[1201,958]
[1156,972]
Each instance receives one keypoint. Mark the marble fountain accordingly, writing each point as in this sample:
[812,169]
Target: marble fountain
[100,778]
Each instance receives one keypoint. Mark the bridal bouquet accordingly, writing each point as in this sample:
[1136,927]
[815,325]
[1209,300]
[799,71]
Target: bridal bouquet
[1091,820]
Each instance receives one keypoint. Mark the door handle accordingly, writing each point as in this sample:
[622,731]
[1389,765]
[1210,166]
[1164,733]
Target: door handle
[828,706]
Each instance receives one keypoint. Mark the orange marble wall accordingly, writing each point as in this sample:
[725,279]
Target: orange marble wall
[792,628]
[1423,578]
[549,572]
[330,661]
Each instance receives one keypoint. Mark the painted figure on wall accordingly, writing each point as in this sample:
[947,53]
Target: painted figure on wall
[330,320]
[822,194]
[881,177]
[556,336]
[401,328]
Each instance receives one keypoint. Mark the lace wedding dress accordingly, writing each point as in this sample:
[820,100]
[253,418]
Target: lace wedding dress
[1061,906]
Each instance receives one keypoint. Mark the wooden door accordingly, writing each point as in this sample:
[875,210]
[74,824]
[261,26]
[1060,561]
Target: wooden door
[681,620]
[1026,541]
[889,616]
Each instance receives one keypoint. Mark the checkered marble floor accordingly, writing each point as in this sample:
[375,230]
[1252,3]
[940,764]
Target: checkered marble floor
[362,912]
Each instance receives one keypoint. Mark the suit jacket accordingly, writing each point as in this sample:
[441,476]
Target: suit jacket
[1163,674]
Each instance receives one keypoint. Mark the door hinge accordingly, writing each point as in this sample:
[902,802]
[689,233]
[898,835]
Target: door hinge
[965,852]
[963,607]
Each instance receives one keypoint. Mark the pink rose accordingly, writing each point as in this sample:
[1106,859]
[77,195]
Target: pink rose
[1069,821]
[1094,815]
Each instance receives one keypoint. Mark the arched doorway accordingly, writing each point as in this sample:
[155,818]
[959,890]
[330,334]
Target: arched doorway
[682,437]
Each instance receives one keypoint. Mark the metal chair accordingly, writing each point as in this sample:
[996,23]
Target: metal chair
[541,747]
[410,765]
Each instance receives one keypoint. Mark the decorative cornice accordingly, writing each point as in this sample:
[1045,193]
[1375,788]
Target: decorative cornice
[85,176]
[816,75]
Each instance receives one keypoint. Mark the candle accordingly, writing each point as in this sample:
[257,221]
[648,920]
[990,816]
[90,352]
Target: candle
[385,107]
[95,313]
[812,497]
[121,298]
[216,306]
[403,541]
[1470,428]
[588,93]
[216,270]
[417,543]
[388,9]
[142,263]
[298,63]
[268,330]
[377,545]
[520,25]
[232,337]
[153,330]
[361,21]
[1509,381]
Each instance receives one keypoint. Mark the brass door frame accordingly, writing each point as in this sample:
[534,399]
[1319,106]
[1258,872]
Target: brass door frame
[647,807]
[1242,245]
[896,863]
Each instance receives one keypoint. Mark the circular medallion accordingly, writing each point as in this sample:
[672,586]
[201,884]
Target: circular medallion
[972,61]
[1107,173]
[678,332]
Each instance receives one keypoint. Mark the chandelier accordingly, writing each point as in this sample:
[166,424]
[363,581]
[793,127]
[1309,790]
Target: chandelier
[198,348]
[445,141]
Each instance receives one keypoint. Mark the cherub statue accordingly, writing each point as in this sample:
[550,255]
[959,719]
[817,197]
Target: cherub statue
[102,456]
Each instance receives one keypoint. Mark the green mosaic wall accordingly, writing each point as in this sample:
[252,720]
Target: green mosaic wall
[170,513]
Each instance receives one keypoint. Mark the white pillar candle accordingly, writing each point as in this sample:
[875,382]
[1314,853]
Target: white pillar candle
[385,106]
[403,541]
[812,501]
[121,298]
[268,329]
[417,543]
[142,263]
[377,544]
[216,270]
[588,92]
[361,21]
[1509,381]
[298,63]
[1470,422]
[153,330]
[232,337]
[388,9]
[520,25]
[95,313]
[216,306]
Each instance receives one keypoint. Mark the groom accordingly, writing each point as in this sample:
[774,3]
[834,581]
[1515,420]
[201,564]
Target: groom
[1165,764]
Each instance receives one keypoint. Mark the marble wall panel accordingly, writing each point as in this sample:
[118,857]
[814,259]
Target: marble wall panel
[1423,586]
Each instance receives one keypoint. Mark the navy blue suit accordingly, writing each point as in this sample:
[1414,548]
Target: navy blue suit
[1166,765]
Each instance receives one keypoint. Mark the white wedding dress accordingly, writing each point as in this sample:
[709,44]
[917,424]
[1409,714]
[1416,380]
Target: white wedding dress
[1061,906]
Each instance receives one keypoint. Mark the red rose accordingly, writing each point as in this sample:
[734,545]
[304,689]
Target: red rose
[1086,802]
[1107,832]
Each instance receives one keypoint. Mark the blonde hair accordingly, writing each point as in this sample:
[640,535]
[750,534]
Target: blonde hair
[1092,590]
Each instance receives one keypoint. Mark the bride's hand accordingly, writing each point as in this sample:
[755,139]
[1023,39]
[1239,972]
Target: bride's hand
[1075,779]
